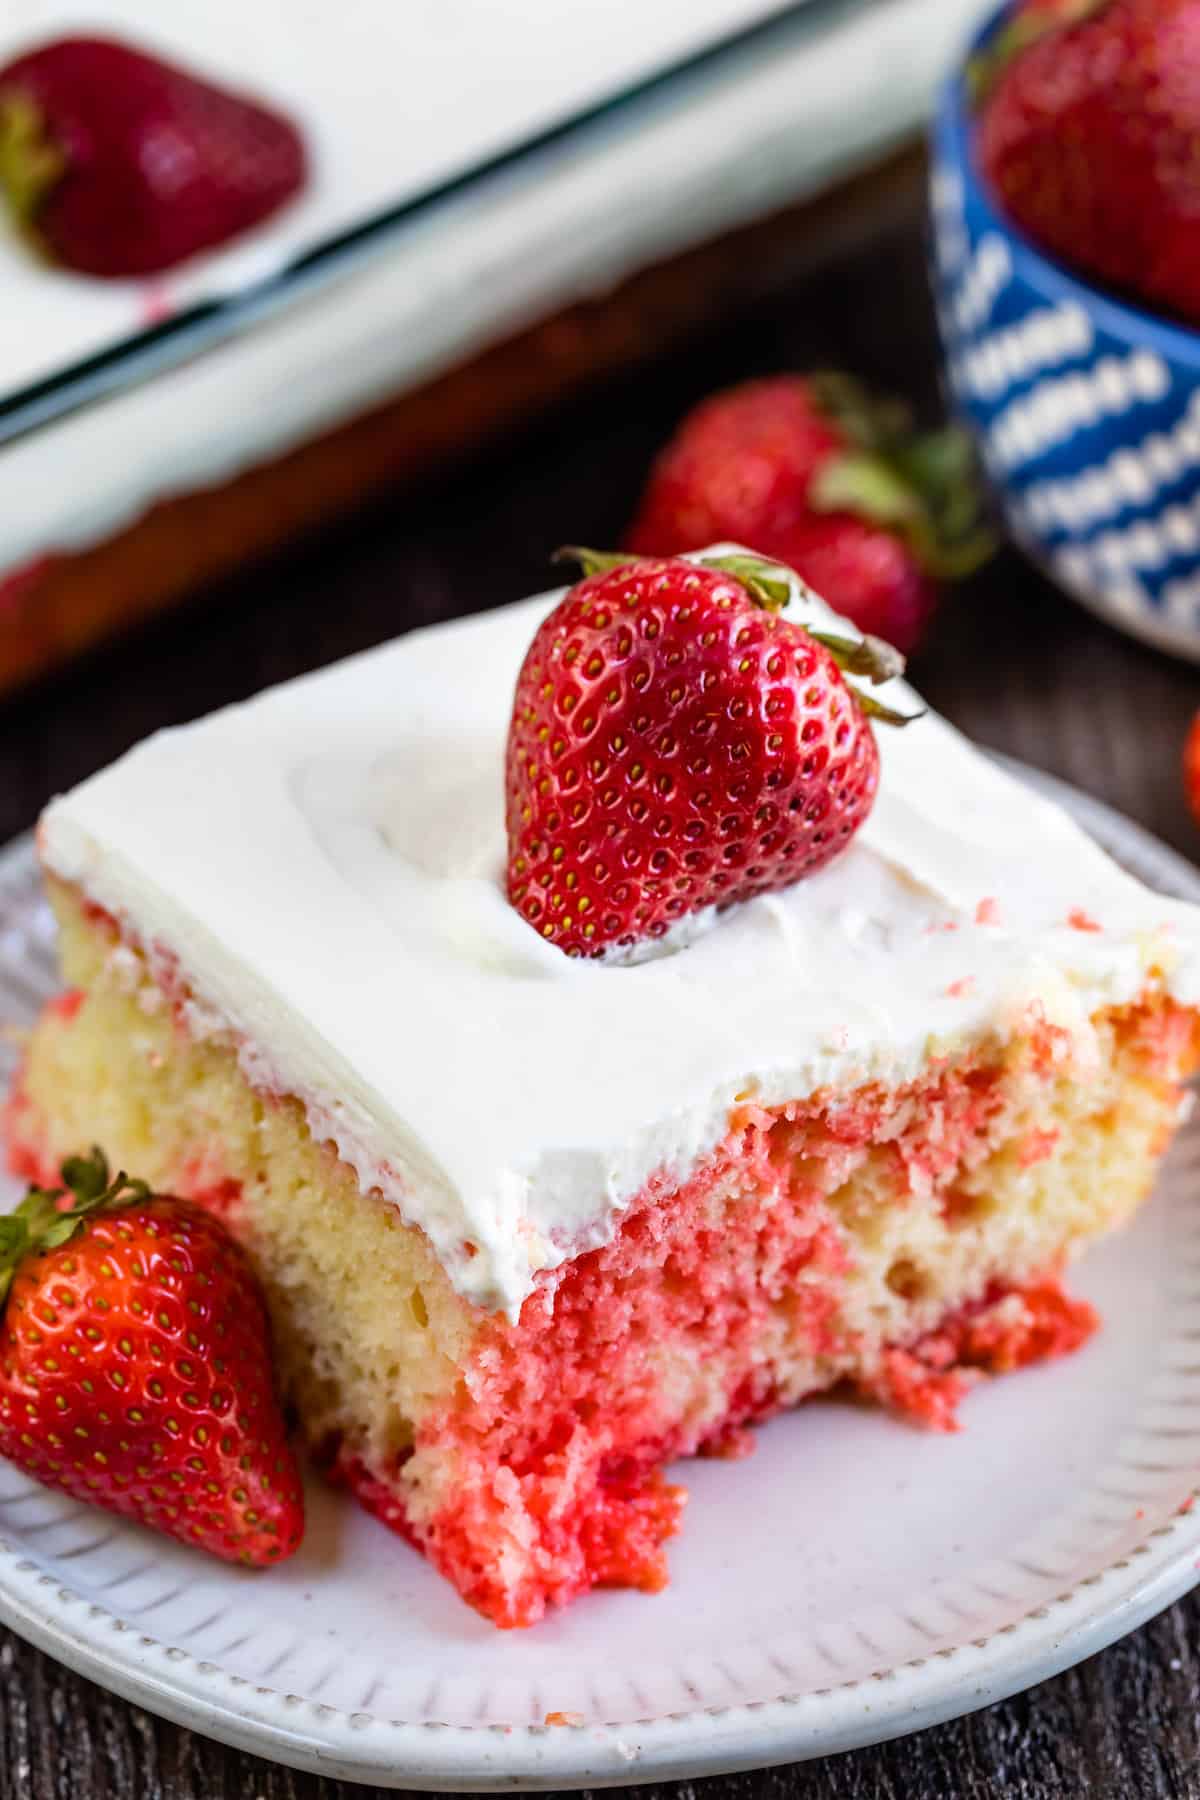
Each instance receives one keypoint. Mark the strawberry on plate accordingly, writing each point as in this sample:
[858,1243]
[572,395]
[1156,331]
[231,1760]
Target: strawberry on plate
[676,744]
[815,473]
[116,163]
[1088,134]
[135,1366]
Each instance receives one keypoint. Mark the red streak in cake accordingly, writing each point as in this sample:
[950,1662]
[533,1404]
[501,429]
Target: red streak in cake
[612,1536]
[562,1424]
[99,916]
[560,1433]
[376,1495]
[1165,1037]
[18,1129]
[1037,1146]
[201,1179]
[25,1155]
[1079,920]
[1007,1330]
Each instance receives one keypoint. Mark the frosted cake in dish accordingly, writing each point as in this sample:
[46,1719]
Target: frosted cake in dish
[380,372]
[533,1228]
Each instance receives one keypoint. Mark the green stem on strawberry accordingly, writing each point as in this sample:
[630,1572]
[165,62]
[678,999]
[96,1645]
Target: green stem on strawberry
[769,585]
[867,656]
[1020,33]
[41,1222]
[921,485]
[31,163]
[885,715]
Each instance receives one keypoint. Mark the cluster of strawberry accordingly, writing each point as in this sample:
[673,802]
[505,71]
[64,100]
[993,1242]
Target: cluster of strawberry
[1088,124]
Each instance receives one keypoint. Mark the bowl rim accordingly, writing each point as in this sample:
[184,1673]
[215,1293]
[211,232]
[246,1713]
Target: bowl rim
[954,143]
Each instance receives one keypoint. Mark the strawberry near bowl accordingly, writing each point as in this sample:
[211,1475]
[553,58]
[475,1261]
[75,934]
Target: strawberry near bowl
[1085,405]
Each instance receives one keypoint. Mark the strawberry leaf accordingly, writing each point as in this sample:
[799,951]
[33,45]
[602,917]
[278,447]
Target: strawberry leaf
[886,715]
[869,421]
[769,585]
[1020,33]
[863,483]
[42,1222]
[868,656]
[31,163]
[64,1227]
[923,486]
[925,489]
[14,1241]
[13,1233]
[595,562]
[86,1176]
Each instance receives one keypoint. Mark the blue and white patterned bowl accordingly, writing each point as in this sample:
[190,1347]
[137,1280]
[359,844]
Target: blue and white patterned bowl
[1086,410]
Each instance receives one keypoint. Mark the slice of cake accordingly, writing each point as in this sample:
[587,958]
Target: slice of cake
[533,1225]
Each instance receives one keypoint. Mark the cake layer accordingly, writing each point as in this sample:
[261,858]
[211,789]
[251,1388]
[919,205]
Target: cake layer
[898,1238]
[318,877]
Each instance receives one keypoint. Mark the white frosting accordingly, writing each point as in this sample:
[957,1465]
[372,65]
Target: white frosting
[326,862]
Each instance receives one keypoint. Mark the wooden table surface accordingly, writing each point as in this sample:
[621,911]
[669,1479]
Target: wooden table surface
[1010,660]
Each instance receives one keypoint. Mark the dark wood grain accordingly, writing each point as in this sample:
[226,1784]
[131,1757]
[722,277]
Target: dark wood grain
[1011,661]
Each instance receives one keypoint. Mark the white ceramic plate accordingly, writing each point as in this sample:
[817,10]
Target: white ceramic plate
[854,1580]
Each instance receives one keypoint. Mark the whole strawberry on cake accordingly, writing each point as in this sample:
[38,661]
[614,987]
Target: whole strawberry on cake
[604,1023]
